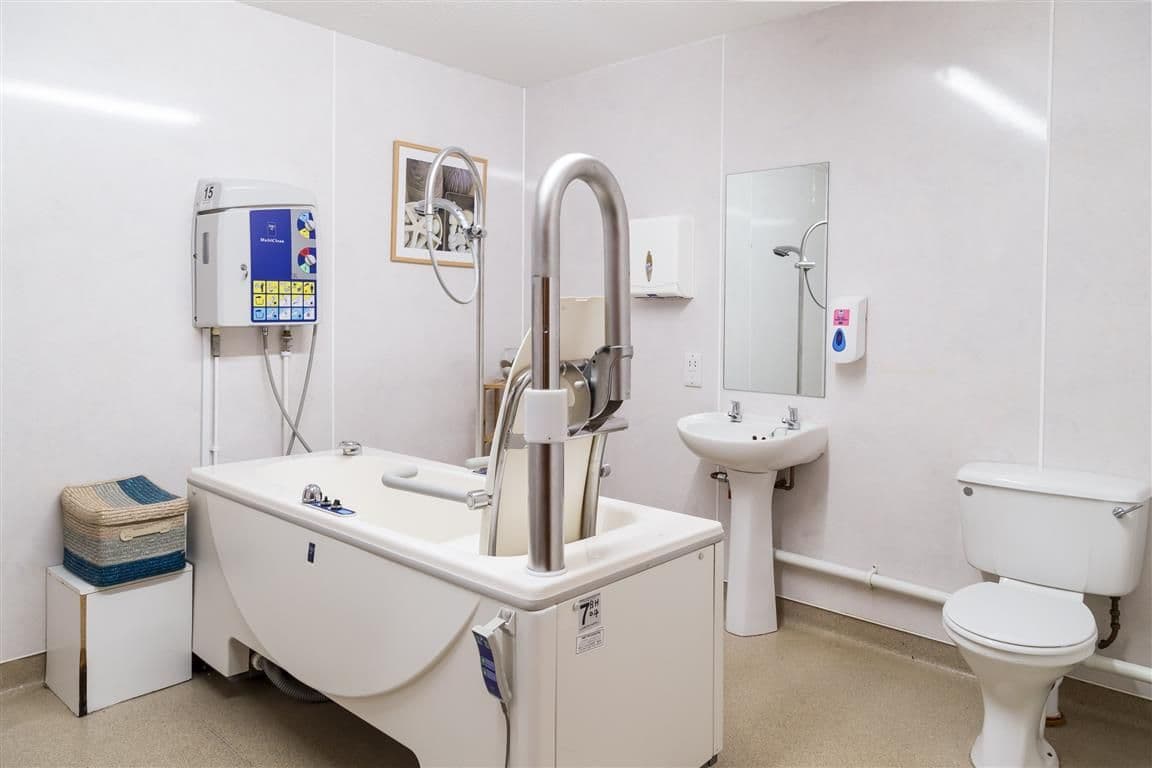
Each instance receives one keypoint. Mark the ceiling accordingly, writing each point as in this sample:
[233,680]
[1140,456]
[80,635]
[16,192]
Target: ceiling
[526,43]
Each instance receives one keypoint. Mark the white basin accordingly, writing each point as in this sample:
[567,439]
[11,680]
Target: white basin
[751,445]
[753,451]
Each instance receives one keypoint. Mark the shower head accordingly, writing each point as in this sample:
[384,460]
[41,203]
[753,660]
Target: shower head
[784,251]
[440,203]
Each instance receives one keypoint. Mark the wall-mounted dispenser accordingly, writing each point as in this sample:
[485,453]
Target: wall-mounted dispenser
[254,254]
[661,257]
[847,329]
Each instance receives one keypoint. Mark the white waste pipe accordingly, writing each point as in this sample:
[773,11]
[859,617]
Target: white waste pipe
[1119,667]
[284,355]
[874,580]
[214,448]
[867,578]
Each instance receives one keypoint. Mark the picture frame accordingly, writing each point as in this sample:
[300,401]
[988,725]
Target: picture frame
[410,164]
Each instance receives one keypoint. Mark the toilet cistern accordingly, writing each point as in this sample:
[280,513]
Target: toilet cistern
[752,450]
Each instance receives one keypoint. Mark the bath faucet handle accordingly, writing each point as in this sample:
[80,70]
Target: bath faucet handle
[350,448]
[735,411]
[312,492]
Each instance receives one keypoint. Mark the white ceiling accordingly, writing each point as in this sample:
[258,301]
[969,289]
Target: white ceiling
[533,42]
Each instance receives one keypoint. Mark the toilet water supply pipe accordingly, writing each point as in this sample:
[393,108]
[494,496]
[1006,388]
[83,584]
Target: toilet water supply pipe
[874,580]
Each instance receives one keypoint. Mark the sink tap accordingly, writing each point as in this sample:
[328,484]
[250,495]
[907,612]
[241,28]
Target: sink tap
[792,420]
[735,412]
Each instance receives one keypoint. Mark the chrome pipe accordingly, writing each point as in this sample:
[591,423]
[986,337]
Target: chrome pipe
[476,240]
[611,369]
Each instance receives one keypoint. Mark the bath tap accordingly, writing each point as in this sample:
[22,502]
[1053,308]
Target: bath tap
[312,492]
[546,403]
[735,412]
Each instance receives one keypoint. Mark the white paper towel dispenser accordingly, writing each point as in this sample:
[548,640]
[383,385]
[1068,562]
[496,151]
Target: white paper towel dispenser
[661,257]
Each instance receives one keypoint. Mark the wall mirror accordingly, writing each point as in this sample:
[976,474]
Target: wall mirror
[775,276]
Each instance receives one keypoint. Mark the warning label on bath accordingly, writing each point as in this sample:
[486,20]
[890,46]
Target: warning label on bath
[588,609]
[590,641]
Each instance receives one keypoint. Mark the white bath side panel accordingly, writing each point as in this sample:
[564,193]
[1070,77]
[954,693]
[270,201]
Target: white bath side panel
[220,636]
[644,692]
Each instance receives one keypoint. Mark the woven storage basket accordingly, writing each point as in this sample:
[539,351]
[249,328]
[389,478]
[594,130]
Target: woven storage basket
[122,530]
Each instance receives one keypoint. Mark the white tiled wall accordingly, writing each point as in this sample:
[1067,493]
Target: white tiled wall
[938,214]
[102,367]
[1098,361]
[656,123]
[405,351]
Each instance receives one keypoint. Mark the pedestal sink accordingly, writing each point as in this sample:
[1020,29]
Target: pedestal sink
[753,451]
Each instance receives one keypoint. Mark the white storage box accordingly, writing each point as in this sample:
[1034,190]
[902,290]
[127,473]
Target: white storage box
[110,644]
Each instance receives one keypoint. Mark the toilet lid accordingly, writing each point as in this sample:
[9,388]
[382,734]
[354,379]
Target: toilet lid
[1020,616]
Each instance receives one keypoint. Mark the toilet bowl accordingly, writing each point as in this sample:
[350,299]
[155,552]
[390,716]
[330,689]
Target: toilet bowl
[1018,639]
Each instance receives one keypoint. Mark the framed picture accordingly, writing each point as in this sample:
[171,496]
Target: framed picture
[410,232]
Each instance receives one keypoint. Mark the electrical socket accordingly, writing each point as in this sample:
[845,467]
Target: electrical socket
[693,375]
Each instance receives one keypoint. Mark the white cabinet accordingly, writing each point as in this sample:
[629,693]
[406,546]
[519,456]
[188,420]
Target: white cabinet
[109,644]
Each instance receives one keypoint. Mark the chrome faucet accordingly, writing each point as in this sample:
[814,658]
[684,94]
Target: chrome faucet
[610,369]
[735,412]
[792,419]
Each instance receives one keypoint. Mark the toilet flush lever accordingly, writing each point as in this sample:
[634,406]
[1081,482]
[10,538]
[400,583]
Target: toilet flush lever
[1120,512]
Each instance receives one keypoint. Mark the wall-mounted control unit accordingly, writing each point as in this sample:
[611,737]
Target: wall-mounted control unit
[848,325]
[254,254]
[661,257]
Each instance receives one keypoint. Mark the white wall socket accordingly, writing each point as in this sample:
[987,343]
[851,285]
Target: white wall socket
[693,376]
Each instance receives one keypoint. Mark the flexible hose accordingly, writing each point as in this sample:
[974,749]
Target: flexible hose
[303,393]
[810,293]
[276,394]
[507,734]
[289,685]
[474,246]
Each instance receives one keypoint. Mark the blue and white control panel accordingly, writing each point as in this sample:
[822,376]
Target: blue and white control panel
[254,254]
[284,265]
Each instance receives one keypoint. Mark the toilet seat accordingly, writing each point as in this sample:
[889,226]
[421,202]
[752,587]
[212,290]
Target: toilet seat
[1019,619]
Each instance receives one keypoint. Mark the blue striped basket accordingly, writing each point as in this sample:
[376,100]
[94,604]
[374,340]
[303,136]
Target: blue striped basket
[122,530]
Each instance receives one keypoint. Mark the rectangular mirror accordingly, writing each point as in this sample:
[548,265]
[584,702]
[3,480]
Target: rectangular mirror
[775,273]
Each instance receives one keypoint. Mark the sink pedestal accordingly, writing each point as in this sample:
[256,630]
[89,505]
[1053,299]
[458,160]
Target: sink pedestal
[751,608]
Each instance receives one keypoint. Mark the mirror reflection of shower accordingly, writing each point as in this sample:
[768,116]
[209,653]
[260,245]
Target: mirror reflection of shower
[802,262]
[803,266]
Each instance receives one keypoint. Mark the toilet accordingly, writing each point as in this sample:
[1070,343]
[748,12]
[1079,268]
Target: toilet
[1050,536]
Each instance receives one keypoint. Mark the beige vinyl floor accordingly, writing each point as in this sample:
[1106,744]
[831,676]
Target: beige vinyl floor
[804,696]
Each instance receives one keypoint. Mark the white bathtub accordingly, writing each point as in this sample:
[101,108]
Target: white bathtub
[375,609]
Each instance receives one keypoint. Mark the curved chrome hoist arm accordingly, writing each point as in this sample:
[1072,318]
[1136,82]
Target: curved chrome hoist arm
[546,425]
